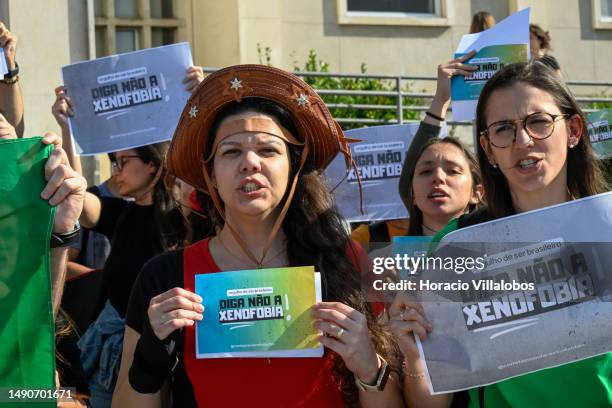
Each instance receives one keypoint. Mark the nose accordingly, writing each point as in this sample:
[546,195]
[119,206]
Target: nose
[438,176]
[114,170]
[521,137]
[250,162]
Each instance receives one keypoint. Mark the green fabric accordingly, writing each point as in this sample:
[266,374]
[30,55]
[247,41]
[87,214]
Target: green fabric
[586,383]
[27,355]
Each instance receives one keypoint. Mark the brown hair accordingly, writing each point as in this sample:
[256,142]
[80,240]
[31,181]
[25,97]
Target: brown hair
[584,173]
[542,36]
[482,20]
[407,193]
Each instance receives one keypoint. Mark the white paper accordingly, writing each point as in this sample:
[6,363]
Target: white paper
[3,66]
[511,30]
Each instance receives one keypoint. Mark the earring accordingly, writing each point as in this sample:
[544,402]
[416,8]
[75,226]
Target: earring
[494,165]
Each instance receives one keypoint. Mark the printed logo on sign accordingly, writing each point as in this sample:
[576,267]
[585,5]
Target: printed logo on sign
[600,131]
[125,94]
[253,308]
[559,282]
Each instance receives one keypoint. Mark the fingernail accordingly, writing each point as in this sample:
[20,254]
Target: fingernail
[200,308]
[199,299]
[199,317]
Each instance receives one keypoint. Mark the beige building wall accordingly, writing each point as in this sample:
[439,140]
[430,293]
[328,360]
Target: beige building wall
[230,31]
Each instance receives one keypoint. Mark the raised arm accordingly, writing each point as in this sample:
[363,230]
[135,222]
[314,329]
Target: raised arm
[65,190]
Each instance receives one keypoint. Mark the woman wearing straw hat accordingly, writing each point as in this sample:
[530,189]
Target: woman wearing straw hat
[256,138]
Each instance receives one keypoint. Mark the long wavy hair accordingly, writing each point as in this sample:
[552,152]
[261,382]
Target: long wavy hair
[584,172]
[316,236]
[407,192]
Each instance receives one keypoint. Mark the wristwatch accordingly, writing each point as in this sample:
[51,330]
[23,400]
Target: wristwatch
[66,238]
[12,72]
[381,378]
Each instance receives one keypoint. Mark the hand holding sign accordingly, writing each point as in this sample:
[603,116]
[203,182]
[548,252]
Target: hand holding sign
[448,70]
[194,76]
[172,310]
[62,108]
[345,331]
[65,187]
[407,317]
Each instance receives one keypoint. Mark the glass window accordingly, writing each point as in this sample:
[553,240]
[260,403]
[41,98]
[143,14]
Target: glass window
[100,40]
[126,40]
[606,9]
[392,6]
[161,9]
[126,9]
[162,36]
[98,9]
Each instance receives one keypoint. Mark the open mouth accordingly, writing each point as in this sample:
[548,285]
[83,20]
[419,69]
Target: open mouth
[250,187]
[527,163]
[437,194]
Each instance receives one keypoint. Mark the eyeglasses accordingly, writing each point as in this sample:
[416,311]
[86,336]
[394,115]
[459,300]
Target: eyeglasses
[119,163]
[538,125]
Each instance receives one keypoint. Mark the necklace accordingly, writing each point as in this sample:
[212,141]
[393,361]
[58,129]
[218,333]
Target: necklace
[259,264]
[430,229]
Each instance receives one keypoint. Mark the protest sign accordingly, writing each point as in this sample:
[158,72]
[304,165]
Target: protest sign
[379,158]
[128,100]
[27,337]
[506,42]
[258,313]
[600,132]
[531,305]
[3,66]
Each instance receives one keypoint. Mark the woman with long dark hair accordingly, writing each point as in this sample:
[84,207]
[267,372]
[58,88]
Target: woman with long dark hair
[534,152]
[256,139]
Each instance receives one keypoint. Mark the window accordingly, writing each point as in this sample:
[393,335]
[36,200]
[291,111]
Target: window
[392,6]
[394,12]
[602,14]
[606,9]
[129,25]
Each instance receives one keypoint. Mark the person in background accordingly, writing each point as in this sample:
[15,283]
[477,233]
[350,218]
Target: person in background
[137,230]
[482,20]
[539,41]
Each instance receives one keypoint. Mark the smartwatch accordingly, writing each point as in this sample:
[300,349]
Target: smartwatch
[381,379]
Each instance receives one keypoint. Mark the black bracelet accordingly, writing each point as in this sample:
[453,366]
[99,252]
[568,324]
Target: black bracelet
[65,239]
[436,117]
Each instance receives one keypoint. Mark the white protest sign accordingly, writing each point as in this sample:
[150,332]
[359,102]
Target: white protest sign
[564,251]
[379,158]
[504,43]
[127,100]
[3,67]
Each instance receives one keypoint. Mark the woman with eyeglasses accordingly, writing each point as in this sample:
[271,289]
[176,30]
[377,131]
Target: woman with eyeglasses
[534,152]
[138,228]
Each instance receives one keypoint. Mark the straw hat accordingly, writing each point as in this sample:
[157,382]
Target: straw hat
[322,136]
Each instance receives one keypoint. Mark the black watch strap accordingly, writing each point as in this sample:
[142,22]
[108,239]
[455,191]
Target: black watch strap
[65,239]
[12,73]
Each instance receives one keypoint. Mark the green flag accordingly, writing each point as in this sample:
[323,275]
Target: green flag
[27,356]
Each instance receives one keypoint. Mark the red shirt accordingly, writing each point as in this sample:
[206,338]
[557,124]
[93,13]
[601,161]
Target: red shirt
[269,382]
